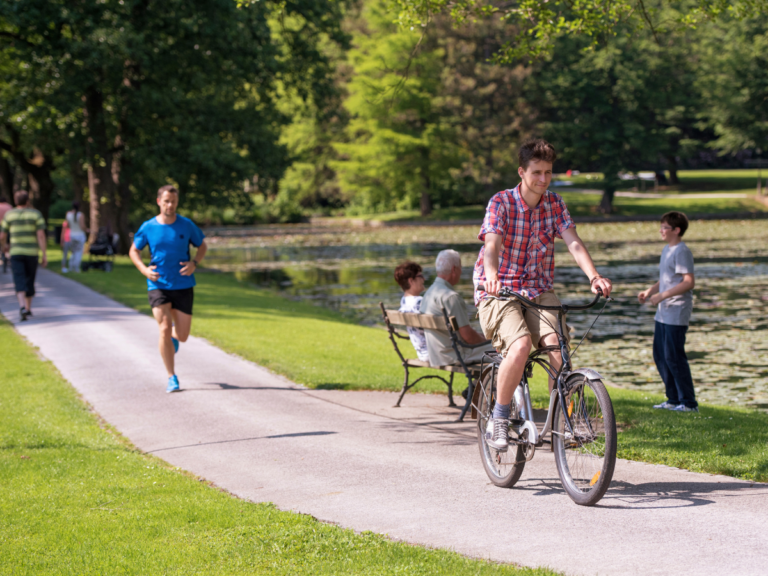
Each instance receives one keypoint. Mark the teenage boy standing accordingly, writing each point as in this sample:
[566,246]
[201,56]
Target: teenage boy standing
[170,275]
[519,233]
[673,294]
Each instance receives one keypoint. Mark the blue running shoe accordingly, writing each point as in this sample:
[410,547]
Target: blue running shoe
[173,384]
[175,344]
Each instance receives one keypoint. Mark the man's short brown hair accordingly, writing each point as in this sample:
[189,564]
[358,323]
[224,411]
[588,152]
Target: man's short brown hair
[676,220]
[21,197]
[405,272]
[167,188]
[536,149]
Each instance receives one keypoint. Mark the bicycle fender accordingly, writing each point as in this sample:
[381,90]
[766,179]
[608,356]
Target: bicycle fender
[588,373]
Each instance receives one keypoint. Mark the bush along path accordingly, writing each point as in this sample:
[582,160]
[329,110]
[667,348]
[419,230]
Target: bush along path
[321,349]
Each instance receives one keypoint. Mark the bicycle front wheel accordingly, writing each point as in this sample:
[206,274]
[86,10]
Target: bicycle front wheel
[585,453]
[504,468]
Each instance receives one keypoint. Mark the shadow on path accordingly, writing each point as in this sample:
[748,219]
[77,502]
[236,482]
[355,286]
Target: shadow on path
[293,435]
[651,495]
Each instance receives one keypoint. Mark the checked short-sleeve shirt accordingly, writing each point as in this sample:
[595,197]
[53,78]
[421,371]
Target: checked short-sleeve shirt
[527,255]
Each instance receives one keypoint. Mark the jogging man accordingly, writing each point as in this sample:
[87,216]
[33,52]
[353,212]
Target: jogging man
[25,227]
[519,233]
[170,275]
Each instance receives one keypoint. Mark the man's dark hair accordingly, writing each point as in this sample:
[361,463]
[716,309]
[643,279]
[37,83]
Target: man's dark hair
[3,197]
[676,220]
[406,271]
[76,206]
[167,188]
[21,197]
[536,149]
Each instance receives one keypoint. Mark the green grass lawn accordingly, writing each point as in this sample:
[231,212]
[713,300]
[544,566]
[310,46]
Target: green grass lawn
[78,499]
[691,181]
[321,349]
[586,205]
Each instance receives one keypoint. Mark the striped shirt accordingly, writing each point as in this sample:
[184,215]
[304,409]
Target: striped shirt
[21,225]
[527,255]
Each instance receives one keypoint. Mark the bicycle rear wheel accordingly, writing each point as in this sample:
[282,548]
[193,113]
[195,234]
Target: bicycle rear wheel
[585,458]
[504,468]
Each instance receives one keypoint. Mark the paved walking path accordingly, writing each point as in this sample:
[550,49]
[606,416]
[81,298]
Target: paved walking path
[349,458]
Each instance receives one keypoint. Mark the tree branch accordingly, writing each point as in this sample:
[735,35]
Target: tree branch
[4,34]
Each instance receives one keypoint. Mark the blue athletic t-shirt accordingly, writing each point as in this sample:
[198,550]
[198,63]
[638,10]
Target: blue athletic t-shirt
[169,246]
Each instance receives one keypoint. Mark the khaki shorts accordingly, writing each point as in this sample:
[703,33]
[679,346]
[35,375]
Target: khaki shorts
[504,322]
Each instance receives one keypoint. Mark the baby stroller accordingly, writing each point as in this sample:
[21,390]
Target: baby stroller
[101,254]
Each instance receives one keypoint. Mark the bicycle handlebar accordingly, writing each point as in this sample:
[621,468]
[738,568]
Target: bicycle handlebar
[507,293]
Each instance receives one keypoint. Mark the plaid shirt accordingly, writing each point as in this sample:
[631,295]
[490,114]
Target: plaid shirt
[527,255]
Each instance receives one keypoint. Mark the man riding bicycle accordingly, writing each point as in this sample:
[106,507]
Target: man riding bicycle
[518,232]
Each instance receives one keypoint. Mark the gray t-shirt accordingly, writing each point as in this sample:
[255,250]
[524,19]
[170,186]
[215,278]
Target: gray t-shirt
[675,261]
[442,295]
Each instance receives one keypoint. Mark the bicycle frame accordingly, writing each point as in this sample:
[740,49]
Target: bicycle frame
[558,392]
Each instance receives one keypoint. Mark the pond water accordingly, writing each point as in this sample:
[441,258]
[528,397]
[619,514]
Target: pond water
[351,272]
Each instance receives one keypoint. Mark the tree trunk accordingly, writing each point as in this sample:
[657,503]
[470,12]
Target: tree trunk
[41,185]
[606,202]
[101,187]
[6,180]
[123,196]
[425,203]
[673,179]
[78,178]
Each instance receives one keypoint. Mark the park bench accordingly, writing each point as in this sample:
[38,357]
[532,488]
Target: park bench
[445,323]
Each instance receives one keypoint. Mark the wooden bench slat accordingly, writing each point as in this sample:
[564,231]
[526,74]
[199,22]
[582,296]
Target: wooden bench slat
[415,320]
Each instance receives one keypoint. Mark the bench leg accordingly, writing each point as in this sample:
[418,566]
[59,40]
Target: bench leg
[470,393]
[451,403]
[405,389]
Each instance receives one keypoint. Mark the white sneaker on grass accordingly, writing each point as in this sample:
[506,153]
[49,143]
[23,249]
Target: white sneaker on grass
[666,405]
[684,408]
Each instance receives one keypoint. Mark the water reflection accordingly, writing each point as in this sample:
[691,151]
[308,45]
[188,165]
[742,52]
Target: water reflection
[726,341]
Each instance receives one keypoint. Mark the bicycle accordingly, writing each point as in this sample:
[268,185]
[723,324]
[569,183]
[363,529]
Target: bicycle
[580,417]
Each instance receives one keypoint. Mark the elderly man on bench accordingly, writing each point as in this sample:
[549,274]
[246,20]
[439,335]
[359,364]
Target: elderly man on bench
[453,346]
[441,296]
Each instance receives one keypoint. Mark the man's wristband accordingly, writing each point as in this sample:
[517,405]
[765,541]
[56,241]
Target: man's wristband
[195,262]
[592,280]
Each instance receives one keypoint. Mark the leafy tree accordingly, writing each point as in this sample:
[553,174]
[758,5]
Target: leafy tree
[733,79]
[628,105]
[174,90]
[538,24]
[399,151]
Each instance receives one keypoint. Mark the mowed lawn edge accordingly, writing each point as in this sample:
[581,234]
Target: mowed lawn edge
[78,498]
[319,348]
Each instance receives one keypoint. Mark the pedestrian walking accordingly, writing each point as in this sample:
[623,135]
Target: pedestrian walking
[24,227]
[4,207]
[673,296]
[170,275]
[74,243]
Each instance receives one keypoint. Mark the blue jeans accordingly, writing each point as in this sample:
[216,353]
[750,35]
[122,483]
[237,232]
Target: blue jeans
[672,363]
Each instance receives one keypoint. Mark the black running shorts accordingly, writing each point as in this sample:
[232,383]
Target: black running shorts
[180,300]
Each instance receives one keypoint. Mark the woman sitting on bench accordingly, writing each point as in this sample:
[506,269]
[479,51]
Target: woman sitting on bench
[410,278]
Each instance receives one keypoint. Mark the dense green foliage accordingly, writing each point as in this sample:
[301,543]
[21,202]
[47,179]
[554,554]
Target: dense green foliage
[78,499]
[265,111]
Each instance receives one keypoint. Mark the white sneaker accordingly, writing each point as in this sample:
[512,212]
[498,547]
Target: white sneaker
[684,408]
[666,405]
[496,434]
